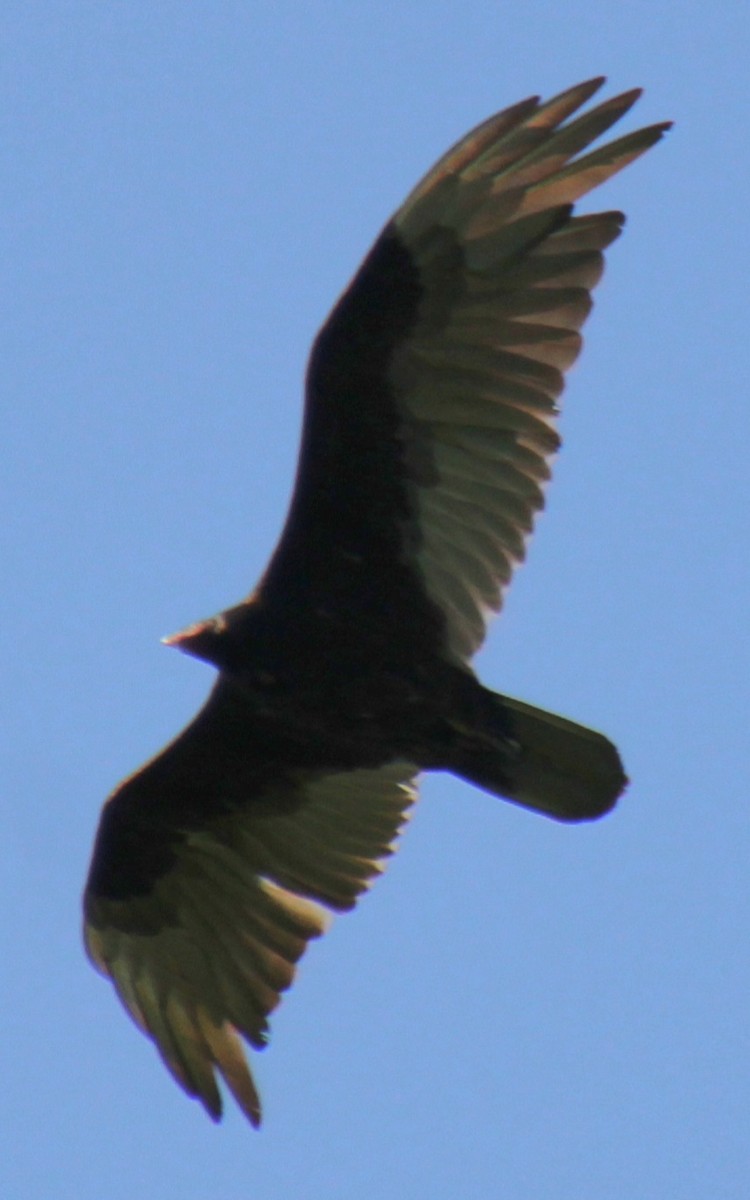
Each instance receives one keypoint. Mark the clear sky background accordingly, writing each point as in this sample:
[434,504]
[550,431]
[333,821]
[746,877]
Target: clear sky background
[519,1009]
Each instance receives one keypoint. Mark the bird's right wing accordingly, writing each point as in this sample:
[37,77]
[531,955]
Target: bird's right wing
[207,884]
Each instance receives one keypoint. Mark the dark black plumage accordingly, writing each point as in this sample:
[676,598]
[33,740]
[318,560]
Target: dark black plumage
[429,425]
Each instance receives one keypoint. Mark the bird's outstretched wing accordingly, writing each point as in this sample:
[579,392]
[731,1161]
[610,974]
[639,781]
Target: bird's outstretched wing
[212,870]
[432,389]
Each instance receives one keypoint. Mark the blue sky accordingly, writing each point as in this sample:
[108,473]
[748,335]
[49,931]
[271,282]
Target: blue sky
[519,1009]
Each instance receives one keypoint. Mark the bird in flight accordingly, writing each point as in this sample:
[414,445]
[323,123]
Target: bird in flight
[429,426]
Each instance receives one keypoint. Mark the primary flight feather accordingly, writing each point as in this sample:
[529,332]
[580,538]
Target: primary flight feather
[429,427]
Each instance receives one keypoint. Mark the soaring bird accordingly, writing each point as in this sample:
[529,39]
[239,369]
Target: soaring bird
[429,426]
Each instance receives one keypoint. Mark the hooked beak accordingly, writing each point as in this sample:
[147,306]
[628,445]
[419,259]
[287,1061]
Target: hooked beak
[204,640]
[186,639]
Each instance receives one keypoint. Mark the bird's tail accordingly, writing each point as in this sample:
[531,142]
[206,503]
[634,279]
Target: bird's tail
[539,760]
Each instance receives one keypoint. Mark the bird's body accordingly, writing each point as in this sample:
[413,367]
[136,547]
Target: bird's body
[429,424]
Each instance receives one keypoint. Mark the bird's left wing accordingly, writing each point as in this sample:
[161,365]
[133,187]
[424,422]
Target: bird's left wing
[431,408]
[200,919]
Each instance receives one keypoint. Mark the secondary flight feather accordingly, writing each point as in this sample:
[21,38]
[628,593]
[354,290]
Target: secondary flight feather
[430,423]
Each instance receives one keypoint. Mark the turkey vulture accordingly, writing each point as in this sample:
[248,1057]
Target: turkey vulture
[429,427]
